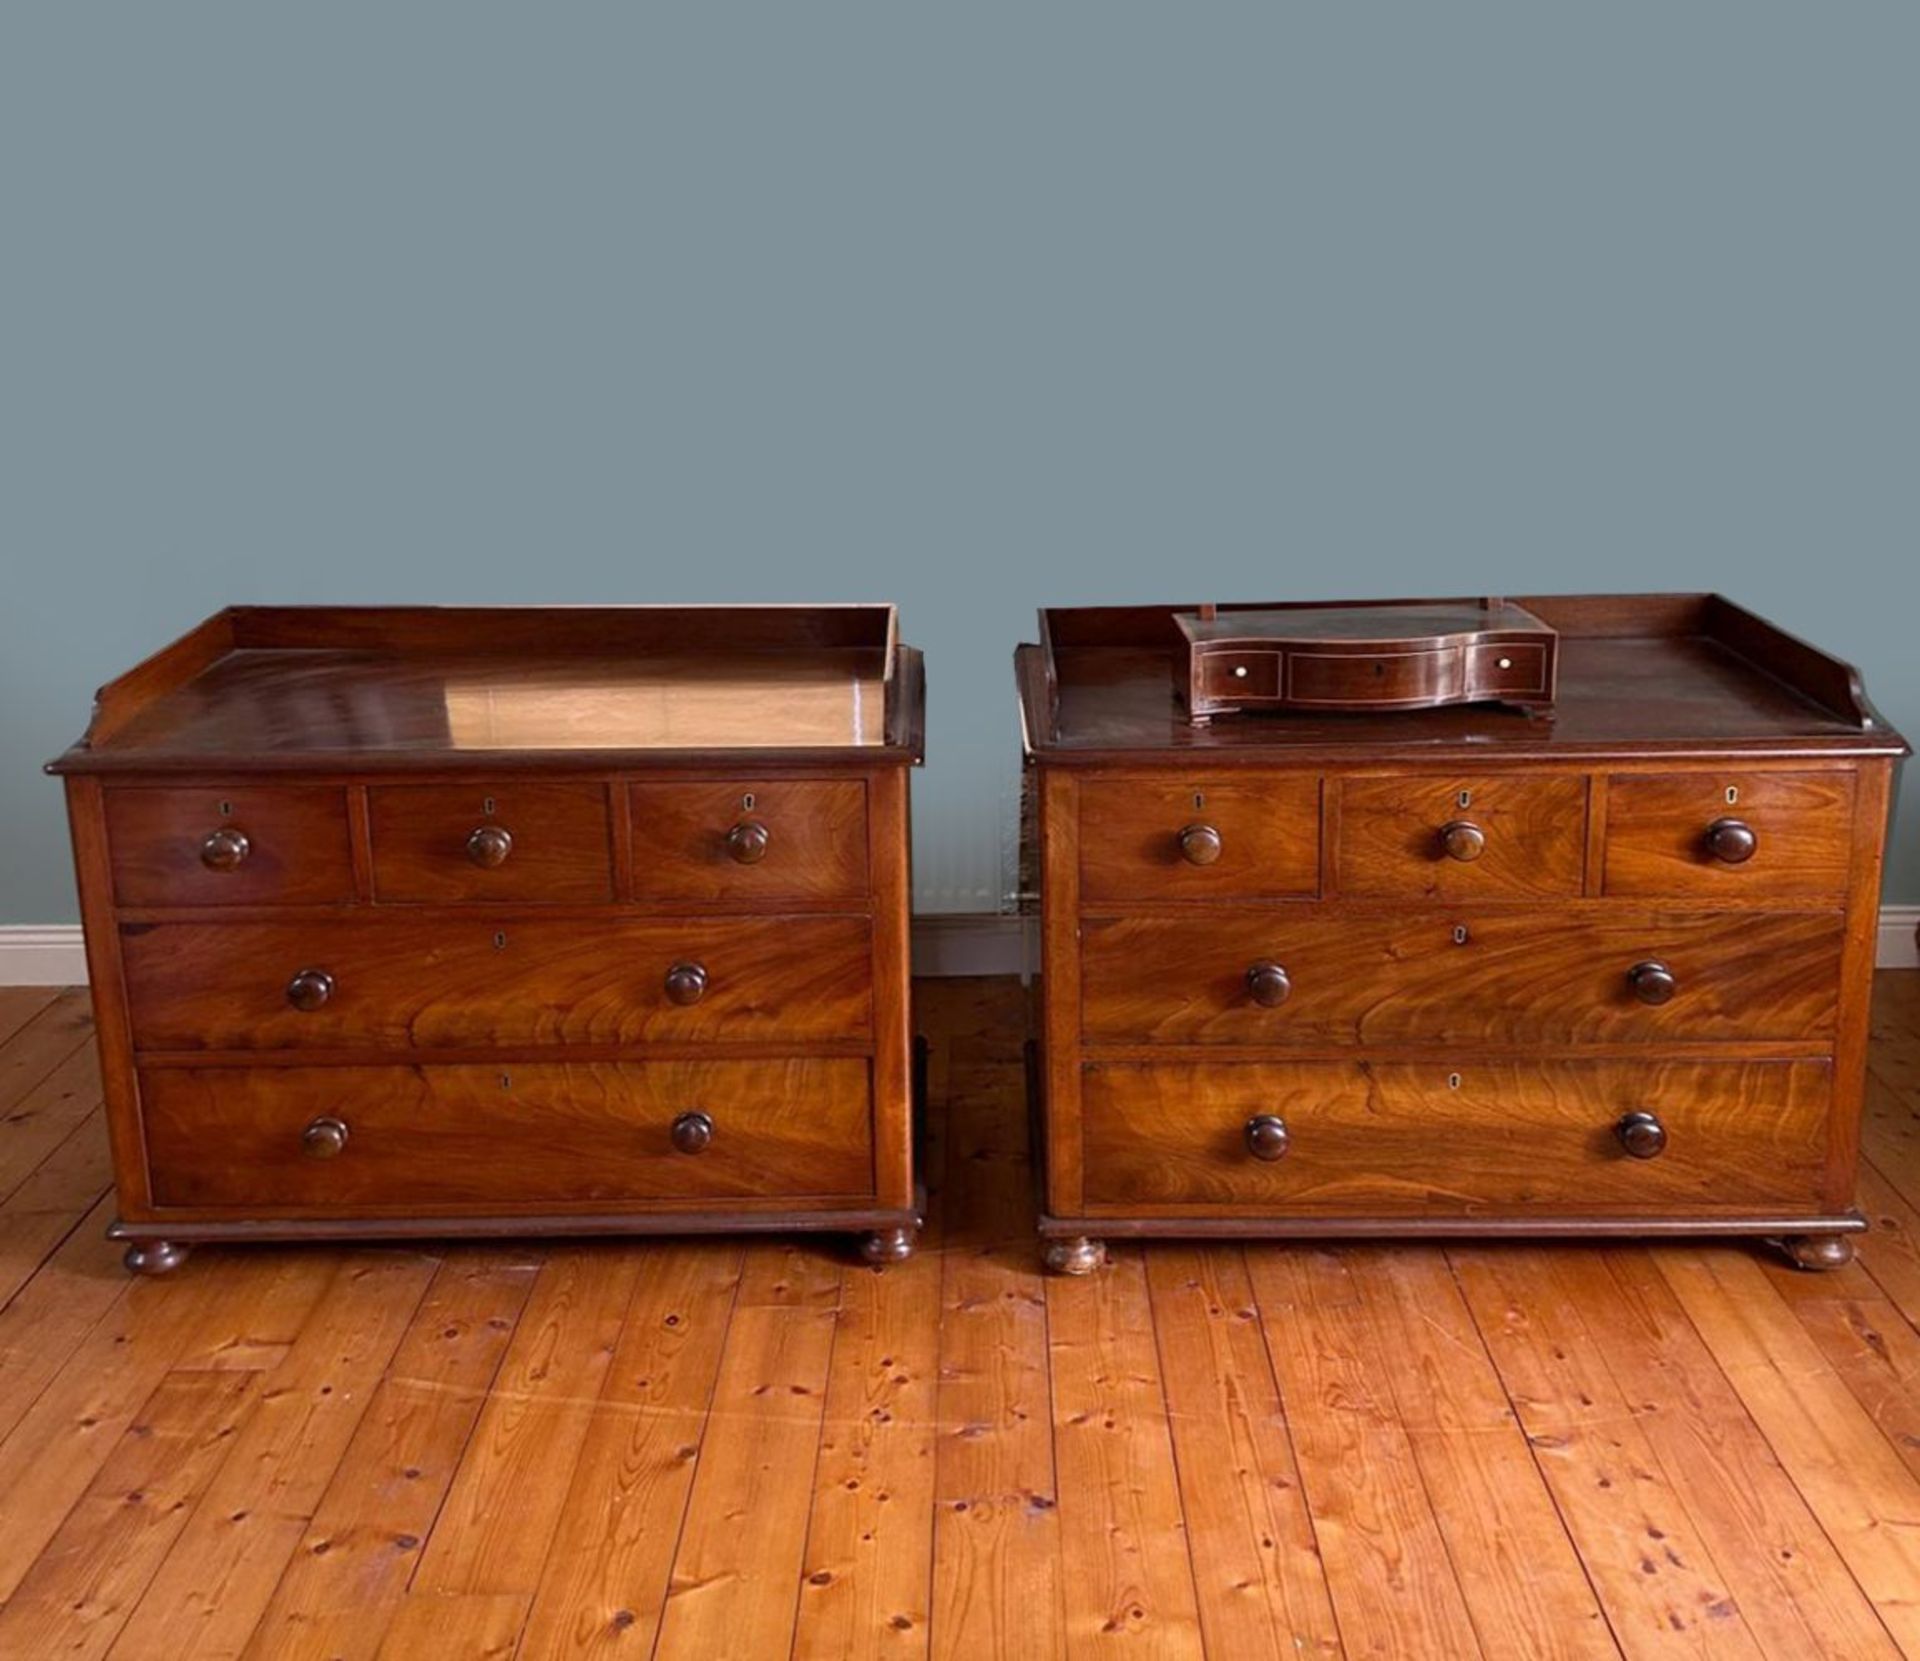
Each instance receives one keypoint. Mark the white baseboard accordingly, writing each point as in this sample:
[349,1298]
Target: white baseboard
[960,943]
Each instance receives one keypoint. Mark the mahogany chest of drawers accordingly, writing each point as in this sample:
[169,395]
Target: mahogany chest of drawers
[1458,971]
[421,922]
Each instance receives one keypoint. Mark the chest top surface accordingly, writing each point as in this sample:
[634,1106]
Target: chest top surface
[372,687]
[1653,674]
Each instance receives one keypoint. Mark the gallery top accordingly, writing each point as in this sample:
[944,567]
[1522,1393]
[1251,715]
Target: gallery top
[264,688]
[1665,675]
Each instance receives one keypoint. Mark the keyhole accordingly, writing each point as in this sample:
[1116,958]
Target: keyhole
[1453,1081]
[1733,794]
[500,941]
[1465,798]
[506,1081]
[486,807]
[1199,798]
[746,802]
[226,810]
[1459,934]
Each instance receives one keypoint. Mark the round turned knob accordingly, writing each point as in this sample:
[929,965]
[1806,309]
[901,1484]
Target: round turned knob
[1267,984]
[225,849]
[1732,841]
[692,1132]
[325,1138]
[1462,839]
[309,989]
[1652,982]
[489,846]
[1266,1136]
[1199,844]
[1642,1135]
[747,842]
[687,983]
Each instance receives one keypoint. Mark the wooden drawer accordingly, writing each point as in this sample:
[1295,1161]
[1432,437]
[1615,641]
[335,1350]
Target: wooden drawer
[1401,1139]
[1778,835]
[396,981]
[781,839]
[1200,837]
[230,844]
[1435,836]
[505,1136]
[507,840]
[1515,974]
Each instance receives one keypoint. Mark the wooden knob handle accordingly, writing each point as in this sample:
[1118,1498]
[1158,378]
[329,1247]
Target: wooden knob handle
[1463,840]
[225,849]
[1199,844]
[309,989]
[687,983]
[747,842]
[1268,984]
[1652,982]
[489,846]
[1732,841]
[1642,1135]
[692,1132]
[325,1138]
[1266,1136]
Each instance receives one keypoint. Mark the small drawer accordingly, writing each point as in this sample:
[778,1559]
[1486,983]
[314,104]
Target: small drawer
[1251,836]
[1450,837]
[1435,1139]
[1767,835]
[1409,679]
[397,982]
[759,840]
[507,1137]
[1507,671]
[499,841]
[1236,675]
[240,844]
[1509,974]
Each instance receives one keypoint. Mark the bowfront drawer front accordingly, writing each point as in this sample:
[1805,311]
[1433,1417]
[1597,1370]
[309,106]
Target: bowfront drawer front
[1377,1139]
[1431,836]
[781,839]
[1721,834]
[1508,974]
[506,1137]
[241,844]
[1200,838]
[491,841]
[395,982]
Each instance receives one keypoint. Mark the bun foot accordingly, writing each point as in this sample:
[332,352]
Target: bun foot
[1077,1256]
[154,1257]
[1819,1251]
[887,1245]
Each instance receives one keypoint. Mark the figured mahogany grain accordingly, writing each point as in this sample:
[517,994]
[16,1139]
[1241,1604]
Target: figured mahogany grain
[815,840]
[1390,843]
[425,981]
[1386,1138]
[1523,974]
[559,848]
[1657,833]
[297,846]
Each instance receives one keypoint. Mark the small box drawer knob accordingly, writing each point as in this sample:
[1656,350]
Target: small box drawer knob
[692,1132]
[309,989]
[747,842]
[1642,1135]
[1463,840]
[1268,984]
[1732,841]
[1652,982]
[325,1138]
[1199,844]
[225,849]
[687,983]
[489,846]
[1266,1135]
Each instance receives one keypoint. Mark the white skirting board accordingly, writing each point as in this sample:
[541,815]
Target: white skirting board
[959,943]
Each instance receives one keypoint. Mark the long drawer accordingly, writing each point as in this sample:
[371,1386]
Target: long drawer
[397,982]
[400,1139]
[1390,1139]
[1510,974]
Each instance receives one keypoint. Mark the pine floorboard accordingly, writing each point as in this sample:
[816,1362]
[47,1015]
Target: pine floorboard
[696,1449]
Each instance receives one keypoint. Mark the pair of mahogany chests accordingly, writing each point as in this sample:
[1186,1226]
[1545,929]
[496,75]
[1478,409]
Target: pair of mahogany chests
[1426,918]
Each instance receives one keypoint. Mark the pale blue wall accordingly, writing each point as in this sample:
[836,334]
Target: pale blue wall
[972,306]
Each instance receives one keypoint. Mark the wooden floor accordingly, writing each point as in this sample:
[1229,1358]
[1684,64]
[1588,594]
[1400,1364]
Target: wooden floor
[711,1449]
